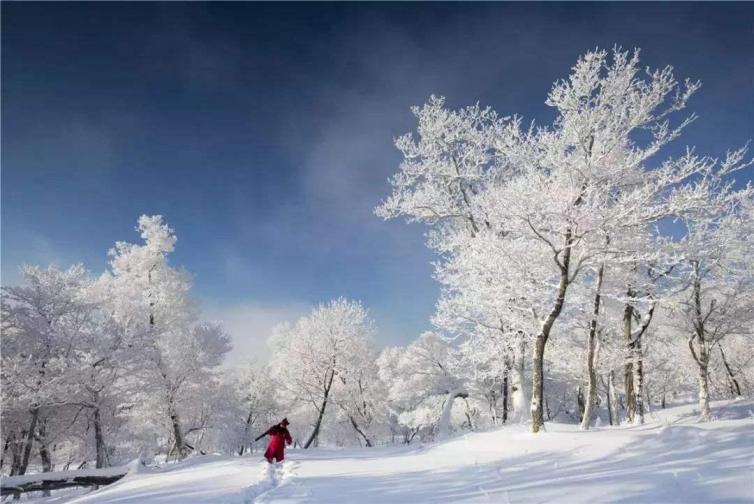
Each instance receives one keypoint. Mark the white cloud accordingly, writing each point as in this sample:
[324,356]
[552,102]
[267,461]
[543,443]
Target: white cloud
[33,248]
[250,325]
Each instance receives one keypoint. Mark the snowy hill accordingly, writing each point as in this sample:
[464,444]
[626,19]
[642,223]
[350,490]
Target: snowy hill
[670,459]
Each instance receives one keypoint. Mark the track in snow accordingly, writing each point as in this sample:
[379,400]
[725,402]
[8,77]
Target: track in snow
[273,477]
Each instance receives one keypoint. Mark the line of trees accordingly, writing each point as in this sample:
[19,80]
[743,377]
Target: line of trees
[121,359]
[578,227]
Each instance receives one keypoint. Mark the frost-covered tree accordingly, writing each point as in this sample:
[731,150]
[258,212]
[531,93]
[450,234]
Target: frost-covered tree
[544,206]
[718,271]
[100,357]
[362,398]
[94,369]
[42,324]
[478,302]
[255,407]
[149,298]
[424,376]
[320,358]
[494,374]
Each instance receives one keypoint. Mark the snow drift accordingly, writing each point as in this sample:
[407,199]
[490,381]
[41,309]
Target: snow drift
[672,458]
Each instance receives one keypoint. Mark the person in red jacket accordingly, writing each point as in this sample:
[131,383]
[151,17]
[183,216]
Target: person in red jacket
[279,437]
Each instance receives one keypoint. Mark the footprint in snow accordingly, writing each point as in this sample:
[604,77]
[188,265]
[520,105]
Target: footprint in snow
[270,478]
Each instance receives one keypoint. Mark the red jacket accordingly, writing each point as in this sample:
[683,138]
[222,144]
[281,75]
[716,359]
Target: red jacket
[279,437]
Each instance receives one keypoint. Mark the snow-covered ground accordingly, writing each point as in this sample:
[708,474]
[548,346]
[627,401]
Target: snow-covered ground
[670,459]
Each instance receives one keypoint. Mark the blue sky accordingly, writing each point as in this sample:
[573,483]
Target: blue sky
[263,132]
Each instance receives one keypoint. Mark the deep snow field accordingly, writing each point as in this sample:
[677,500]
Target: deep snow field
[671,458]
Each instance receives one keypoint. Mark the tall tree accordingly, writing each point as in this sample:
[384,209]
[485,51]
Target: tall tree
[718,270]
[152,299]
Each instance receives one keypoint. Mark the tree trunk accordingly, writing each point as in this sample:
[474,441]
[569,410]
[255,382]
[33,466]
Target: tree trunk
[591,391]
[16,454]
[492,403]
[537,382]
[359,431]
[735,388]
[628,391]
[505,396]
[326,394]
[592,355]
[246,431]
[702,357]
[580,402]
[44,453]
[638,381]
[443,425]
[628,374]
[10,440]
[518,390]
[99,440]
[409,434]
[468,413]
[180,443]
[612,400]
[29,441]
[703,361]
